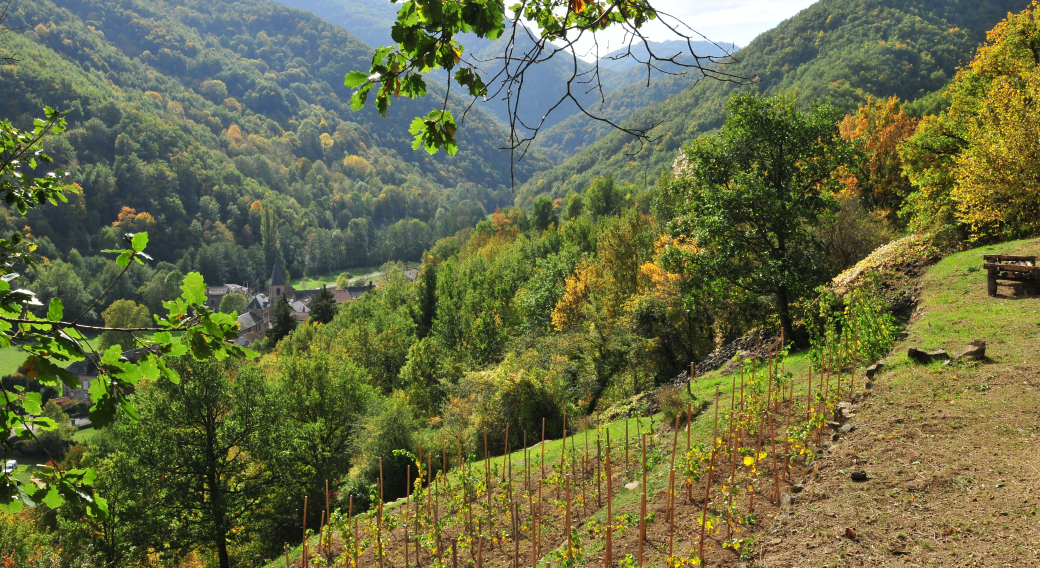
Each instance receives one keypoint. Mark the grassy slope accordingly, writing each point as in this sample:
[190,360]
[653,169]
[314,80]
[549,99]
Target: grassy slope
[835,51]
[969,473]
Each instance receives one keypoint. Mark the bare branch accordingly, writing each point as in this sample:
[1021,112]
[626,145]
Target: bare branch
[514,64]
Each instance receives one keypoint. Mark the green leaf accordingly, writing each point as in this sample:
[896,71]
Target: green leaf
[32,403]
[355,79]
[139,241]
[193,290]
[54,312]
[53,498]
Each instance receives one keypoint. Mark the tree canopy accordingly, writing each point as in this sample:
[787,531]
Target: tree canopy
[749,196]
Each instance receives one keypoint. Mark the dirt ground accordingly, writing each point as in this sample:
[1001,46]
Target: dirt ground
[952,453]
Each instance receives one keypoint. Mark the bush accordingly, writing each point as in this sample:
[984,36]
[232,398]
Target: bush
[388,429]
[673,402]
[517,393]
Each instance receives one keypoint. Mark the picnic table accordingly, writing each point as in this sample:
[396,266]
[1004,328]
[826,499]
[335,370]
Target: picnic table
[1011,268]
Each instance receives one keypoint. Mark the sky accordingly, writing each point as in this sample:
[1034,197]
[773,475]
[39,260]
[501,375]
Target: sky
[729,21]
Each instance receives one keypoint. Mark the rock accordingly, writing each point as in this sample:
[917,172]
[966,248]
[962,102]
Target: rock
[797,489]
[927,356]
[787,501]
[857,398]
[835,437]
[869,385]
[848,428]
[632,486]
[975,350]
[873,369]
[833,424]
[850,533]
[776,541]
[859,476]
[843,411]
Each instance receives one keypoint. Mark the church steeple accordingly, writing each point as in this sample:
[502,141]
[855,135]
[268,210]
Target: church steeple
[276,285]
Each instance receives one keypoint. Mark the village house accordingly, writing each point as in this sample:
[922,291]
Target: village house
[214,294]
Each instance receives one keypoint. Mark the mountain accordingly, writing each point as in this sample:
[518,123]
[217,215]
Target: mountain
[546,82]
[186,116]
[835,51]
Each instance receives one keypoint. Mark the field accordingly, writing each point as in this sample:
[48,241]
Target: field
[360,276]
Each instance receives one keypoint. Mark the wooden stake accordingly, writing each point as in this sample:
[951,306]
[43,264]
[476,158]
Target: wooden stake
[379,517]
[642,505]
[563,449]
[734,441]
[350,514]
[772,436]
[328,517]
[304,531]
[711,472]
[671,491]
[689,446]
[321,531]
[567,483]
[407,499]
[610,515]
[599,477]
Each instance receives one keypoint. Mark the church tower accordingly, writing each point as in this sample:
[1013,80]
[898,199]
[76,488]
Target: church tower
[276,286]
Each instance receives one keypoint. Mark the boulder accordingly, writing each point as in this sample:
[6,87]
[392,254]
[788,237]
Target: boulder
[975,350]
[859,476]
[787,501]
[922,356]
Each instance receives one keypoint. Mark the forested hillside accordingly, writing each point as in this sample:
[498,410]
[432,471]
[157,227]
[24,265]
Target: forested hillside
[371,20]
[191,119]
[784,241]
[834,51]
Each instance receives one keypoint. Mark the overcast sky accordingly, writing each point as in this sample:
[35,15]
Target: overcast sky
[736,21]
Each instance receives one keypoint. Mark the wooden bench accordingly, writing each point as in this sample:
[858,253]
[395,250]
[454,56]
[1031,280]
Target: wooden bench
[1010,267]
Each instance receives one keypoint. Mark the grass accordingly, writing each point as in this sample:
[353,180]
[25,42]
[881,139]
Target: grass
[329,279]
[10,359]
[85,436]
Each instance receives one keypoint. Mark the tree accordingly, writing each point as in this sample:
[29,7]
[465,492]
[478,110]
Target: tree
[123,314]
[58,279]
[427,309]
[324,307]
[233,303]
[283,323]
[324,399]
[428,38]
[975,165]
[750,195]
[54,442]
[543,213]
[880,126]
[200,445]
[51,343]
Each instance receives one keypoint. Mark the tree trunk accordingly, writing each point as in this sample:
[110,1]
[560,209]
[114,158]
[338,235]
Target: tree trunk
[222,551]
[785,313]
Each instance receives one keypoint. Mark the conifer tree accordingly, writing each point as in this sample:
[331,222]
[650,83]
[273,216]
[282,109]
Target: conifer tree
[324,308]
[283,321]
